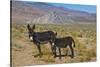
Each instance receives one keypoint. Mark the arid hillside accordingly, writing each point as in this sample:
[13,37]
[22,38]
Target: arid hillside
[24,51]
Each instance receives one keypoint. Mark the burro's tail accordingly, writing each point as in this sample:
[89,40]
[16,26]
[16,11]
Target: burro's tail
[73,42]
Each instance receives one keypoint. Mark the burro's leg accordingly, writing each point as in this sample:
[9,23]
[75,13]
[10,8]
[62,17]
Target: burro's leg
[72,51]
[59,53]
[39,48]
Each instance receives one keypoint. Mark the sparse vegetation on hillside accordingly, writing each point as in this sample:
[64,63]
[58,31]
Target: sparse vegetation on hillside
[24,51]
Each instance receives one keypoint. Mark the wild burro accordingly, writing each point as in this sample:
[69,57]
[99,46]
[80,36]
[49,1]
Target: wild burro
[63,43]
[39,38]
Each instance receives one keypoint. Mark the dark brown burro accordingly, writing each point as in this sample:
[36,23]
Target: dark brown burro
[39,38]
[63,43]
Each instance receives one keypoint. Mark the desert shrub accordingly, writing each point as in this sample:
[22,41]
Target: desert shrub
[17,46]
[75,34]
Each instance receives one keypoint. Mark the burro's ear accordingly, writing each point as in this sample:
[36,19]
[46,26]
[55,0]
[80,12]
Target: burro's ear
[56,33]
[33,26]
[28,26]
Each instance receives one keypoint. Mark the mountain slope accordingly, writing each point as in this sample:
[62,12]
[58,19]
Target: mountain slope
[38,12]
